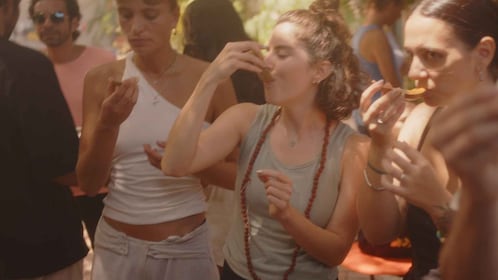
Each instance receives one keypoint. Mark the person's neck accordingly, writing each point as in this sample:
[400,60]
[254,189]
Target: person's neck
[486,84]
[373,17]
[156,63]
[65,53]
[302,120]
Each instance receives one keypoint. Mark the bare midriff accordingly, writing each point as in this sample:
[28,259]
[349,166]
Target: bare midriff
[161,231]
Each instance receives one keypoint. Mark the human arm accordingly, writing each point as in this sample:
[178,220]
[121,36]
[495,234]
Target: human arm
[222,174]
[471,249]
[189,150]
[380,212]
[105,107]
[467,134]
[328,245]
[382,55]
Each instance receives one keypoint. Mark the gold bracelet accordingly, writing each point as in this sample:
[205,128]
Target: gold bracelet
[370,185]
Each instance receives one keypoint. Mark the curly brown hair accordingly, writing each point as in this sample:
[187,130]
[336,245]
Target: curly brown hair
[326,36]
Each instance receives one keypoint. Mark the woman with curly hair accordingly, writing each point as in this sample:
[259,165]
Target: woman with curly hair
[298,172]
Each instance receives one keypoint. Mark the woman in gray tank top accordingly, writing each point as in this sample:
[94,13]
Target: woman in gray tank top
[299,166]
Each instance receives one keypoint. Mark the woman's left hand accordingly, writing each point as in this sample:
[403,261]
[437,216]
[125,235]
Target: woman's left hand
[155,155]
[278,192]
[418,183]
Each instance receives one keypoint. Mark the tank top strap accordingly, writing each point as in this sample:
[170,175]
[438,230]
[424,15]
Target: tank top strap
[355,42]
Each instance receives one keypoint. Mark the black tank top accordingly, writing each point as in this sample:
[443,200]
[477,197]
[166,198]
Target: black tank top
[422,233]
[425,244]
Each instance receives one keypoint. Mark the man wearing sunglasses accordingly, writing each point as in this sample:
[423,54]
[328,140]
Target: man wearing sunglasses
[40,229]
[56,23]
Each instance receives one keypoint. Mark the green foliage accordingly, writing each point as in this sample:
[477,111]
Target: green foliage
[259,26]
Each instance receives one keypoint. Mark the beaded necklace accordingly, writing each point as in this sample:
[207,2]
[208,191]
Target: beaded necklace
[243,198]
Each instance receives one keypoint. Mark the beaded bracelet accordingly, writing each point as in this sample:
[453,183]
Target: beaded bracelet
[370,185]
[375,169]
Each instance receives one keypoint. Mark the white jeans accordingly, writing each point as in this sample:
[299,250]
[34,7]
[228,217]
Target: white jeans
[121,257]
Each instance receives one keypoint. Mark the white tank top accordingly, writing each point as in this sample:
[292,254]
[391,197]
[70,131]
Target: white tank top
[138,192]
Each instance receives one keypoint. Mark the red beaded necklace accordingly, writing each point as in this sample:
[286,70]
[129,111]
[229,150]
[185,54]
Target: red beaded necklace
[243,198]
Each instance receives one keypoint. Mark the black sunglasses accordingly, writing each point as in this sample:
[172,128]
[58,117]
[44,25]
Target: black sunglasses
[56,17]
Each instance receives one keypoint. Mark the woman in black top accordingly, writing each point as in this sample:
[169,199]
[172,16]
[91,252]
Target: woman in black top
[407,183]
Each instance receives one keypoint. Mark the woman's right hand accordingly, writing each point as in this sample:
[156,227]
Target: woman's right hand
[381,115]
[278,192]
[234,56]
[117,106]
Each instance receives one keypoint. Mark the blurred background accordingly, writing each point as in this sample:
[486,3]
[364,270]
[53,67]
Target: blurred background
[99,25]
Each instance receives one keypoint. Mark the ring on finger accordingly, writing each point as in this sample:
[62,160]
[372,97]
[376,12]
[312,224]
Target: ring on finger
[379,121]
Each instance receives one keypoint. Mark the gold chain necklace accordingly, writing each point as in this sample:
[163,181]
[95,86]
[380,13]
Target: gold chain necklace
[166,69]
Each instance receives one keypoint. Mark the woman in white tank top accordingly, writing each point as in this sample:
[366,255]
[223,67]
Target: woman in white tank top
[299,166]
[153,225]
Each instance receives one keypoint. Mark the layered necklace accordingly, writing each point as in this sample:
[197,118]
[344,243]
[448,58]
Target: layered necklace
[243,196]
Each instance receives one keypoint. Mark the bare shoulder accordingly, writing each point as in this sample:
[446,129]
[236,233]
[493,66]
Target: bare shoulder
[357,146]
[241,115]
[376,40]
[245,111]
[372,37]
[371,42]
[420,109]
[415,124]
[192,67]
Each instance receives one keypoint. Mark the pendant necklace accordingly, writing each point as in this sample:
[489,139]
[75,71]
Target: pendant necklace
[155,82]
[166,69]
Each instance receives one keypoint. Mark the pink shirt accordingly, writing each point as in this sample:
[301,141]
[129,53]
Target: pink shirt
[72,74]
